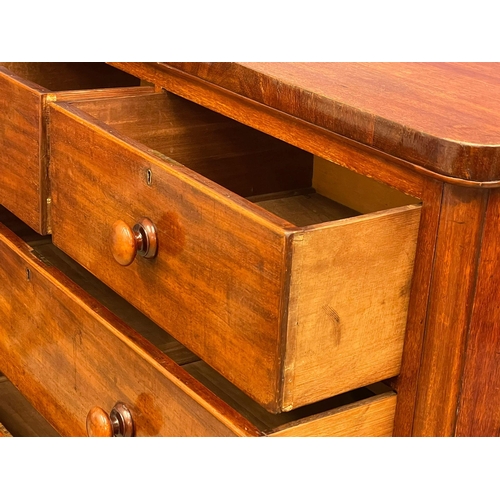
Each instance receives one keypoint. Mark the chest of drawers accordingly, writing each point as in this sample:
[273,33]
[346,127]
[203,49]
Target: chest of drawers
[305,245]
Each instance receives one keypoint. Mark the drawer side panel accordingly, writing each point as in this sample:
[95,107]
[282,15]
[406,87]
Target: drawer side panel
[347,319]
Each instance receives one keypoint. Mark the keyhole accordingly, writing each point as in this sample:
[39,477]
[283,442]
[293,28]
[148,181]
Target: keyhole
[149,177]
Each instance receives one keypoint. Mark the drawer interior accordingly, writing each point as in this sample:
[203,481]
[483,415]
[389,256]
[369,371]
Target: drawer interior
[58,76]
[282,179]
[266,422]
[17,415]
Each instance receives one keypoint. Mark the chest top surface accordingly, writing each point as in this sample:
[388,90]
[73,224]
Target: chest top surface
[442,116]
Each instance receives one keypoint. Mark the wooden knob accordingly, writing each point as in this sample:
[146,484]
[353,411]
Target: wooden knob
[99,423]
[119,423]
[126,243]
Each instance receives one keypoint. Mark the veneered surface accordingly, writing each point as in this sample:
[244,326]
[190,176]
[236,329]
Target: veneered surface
[480,395]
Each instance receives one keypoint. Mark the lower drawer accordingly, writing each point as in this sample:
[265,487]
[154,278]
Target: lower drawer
[18,417]
[88,361]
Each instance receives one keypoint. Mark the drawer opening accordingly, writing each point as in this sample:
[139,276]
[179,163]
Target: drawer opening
[336,193]
[305,417]
[286,181]
[18,418]
[59,76]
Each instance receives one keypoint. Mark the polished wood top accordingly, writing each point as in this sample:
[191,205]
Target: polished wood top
[442,116]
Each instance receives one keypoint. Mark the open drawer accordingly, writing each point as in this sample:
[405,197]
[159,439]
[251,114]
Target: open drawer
[290,295]
[82,357]
[25,89]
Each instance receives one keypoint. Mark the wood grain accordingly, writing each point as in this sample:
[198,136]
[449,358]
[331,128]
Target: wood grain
[450,304]
[67,353]
[349,292]
[23,188]
[479,407]
[407,381]
[404,109]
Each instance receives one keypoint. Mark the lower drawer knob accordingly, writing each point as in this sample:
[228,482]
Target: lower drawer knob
[126,243]
[118,423]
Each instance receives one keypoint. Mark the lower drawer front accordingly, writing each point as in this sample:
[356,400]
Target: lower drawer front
[68,354]
[71,357]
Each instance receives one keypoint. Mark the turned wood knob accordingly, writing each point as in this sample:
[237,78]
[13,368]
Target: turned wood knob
[99,423]
[126,243]
[118,423]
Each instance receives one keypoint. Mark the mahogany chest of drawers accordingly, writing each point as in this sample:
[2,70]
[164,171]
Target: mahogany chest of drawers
[322,256]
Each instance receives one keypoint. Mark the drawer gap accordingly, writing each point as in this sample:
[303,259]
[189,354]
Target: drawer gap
[58,76]
[265,421]
[17,415]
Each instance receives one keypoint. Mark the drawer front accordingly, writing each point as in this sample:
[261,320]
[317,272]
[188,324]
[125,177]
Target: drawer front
[372,418]
[218,279]
[24,158]
[68,354]
[291,315]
